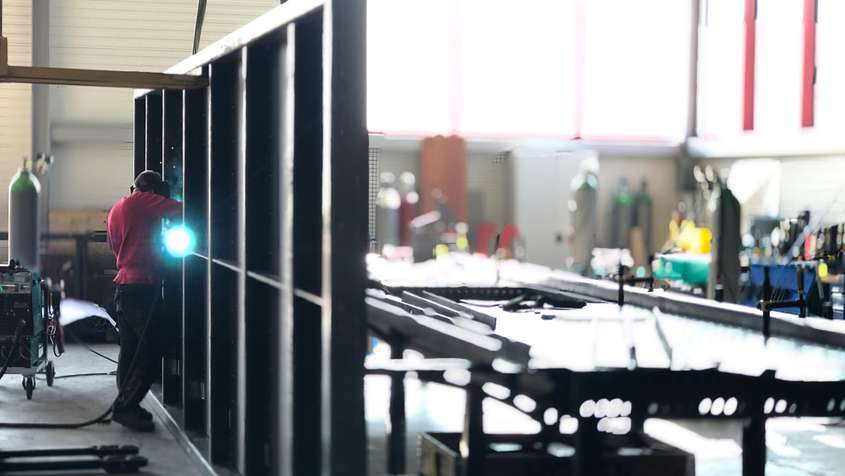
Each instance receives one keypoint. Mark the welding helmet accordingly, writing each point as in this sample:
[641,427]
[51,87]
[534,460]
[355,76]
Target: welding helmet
[151,181]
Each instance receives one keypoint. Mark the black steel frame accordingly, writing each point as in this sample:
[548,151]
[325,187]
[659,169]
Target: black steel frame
[265,366]
[660,393]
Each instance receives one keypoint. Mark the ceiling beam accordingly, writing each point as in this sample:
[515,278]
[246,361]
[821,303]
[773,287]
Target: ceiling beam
[100,78]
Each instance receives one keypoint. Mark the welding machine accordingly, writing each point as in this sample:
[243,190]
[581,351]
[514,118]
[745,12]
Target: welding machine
[28,325]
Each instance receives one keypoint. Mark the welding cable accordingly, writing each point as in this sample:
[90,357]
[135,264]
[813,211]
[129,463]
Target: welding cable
[58,349]
[91,374]
[101,355]
[87,347]
[102,419]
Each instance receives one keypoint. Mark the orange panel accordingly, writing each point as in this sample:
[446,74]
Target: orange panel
[443,167]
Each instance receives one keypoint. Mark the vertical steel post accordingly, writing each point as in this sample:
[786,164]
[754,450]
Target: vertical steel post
[41,143]
[695,33]
[194,352]
[140,138]
[345,238]
[802,300]
[208,215]
[285,389]
[767,296]
[241,344]
[588,448]
[171,166]
[754,446]
[396,440]
[4,45]
[40,92]
[473,445]
[152,159]
[307,200]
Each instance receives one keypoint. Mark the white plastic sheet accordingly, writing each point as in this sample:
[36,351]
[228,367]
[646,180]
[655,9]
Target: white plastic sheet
[73,310]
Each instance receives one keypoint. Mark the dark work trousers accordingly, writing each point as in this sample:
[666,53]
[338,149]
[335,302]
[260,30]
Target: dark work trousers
[141,348]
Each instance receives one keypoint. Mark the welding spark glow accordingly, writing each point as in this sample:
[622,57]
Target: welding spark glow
[179,241]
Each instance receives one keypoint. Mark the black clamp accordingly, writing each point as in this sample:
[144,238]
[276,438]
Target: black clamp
[631,281]
[766,304]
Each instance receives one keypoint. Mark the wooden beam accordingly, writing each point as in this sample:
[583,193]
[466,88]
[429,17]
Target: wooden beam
[101,78]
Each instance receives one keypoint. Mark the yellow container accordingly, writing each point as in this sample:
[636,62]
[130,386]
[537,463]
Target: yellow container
[695,240]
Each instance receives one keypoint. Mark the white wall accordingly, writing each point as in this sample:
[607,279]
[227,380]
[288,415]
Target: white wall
[15,100]
[135,35]
[542,192]
[812,183]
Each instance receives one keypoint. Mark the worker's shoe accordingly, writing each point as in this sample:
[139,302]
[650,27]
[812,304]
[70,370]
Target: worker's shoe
[133,419]
[144,413]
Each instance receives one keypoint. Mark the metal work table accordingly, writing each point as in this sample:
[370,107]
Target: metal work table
[604,364]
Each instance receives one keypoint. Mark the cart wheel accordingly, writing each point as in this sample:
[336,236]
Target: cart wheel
[29,386]
[51,373]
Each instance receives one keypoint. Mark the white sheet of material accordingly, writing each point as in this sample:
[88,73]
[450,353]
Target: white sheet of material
[73,310]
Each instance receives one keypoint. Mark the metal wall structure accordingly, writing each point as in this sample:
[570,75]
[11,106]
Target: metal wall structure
[265,366]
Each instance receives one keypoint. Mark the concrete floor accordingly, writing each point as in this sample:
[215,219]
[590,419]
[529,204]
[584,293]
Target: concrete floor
[79,399]
[805,446]
[812,447]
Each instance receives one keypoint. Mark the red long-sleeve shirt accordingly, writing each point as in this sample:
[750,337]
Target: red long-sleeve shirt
[133,225]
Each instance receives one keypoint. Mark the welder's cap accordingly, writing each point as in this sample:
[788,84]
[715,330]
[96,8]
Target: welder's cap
[148,181]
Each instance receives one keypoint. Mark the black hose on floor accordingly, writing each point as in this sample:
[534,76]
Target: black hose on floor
[91,374]
[102,419]
[87,347]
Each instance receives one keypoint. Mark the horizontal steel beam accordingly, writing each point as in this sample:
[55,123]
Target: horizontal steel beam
[266,23]
[100,78]
[269,22]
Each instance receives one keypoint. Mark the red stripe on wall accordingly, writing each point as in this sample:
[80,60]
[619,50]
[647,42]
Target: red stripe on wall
[808,97]
[748,87]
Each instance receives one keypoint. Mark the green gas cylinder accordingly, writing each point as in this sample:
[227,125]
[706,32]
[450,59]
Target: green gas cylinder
[23,219]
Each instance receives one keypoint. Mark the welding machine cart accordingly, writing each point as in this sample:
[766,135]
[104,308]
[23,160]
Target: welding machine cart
[28,325]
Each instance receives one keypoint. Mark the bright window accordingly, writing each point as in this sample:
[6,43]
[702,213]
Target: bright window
[830,67]
[779,60]
[636,69]
[516,68]
[721,66]
[598,69]
[407,66]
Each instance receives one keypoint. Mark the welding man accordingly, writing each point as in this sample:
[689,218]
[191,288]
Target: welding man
[134,225]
